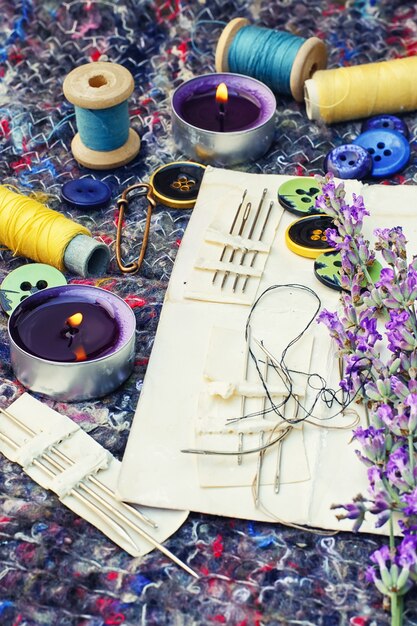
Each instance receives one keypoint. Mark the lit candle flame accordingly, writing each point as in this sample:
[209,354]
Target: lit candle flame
[74,320]
[222,94]
[80,354]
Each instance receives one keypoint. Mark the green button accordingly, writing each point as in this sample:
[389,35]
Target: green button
[327,270]
[25,280]
[298,196]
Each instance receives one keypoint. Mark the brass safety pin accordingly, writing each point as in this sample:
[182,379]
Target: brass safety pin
[123,204]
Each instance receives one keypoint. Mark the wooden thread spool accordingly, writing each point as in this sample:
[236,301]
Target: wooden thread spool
[311,56]
[99,93]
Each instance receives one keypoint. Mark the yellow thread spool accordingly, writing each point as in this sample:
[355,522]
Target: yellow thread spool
[349,93]
[31,229]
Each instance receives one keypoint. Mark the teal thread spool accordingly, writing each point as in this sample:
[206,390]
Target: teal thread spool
[99,92]
[280,60]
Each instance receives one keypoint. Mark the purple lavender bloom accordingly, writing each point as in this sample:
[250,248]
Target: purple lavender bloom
[406,551]
[370,574]
[399,388]
[386,278]
[411,402]
[398,470]
[410,500]
[373,444]
[381,557]
[396,421]
[333,237]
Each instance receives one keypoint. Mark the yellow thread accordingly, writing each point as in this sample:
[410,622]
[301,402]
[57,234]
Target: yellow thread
[30,229]
[349,93]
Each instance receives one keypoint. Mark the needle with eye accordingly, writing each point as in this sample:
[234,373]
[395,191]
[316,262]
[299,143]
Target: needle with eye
[241,229]
[232,227]
[252,228]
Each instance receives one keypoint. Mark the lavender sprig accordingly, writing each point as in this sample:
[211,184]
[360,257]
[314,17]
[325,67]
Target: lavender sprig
[376,336]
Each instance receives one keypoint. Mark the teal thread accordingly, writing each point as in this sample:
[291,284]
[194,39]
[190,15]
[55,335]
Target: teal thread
[267,55]
[103,129]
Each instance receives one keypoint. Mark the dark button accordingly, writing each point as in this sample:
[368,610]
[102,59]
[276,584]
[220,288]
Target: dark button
[177,184]
[83,193]
[327,270]
[306,236]
[388,122]
[25,280]
[298,196]
[348,161]
[390,151]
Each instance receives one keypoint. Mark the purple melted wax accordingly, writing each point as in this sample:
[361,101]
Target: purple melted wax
[202,110]
[250,103]
[42,325]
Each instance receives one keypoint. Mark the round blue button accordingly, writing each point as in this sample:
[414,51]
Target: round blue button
[348,161]
[85,193]
[387,122]
[390,151]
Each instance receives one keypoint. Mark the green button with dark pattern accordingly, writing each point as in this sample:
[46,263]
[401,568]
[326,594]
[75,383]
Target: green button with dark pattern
[327,269]
[25,280]
[298,196]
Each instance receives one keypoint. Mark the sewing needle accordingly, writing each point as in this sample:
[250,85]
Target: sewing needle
[76,493]
[230,232]
[261,441]
[252,228]
[241,229]
[243,400]
[255,254]
[96,481]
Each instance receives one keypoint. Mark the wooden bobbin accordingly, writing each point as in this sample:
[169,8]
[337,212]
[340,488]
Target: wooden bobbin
[311,56]
[101,85]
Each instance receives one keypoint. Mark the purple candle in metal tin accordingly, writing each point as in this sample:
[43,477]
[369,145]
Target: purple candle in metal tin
[223,118]
[72,342]
[66,328]
[221,110]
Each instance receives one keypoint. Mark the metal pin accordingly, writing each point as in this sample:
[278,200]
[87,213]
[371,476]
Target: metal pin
[93,479]
[75,492]
[243,402]
[255,254]
[255,221]
[241,229]
[277,481]
[230,232]
[261,442]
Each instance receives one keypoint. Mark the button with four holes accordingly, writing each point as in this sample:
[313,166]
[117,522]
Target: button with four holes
[348,161]
[298,196]
[307,237]
[86,193]
[25,280]
[387,122]
[390,151]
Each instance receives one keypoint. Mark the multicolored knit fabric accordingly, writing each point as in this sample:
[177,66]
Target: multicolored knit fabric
[56,569]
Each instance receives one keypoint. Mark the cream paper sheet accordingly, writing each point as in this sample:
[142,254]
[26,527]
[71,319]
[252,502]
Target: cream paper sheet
[154,470]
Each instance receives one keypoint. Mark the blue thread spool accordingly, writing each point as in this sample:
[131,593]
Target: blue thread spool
[99,93]
[280,60]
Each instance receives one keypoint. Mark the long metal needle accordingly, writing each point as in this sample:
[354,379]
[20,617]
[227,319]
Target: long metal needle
[252,228]
[232,227]
[241,229]
[96,481]
[255,254]
[243,401]
[76,493]
[261,441]
[277,480]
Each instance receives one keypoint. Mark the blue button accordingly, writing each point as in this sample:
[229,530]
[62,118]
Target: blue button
[387,122]
[390,151]
[348,161]
[85,193]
